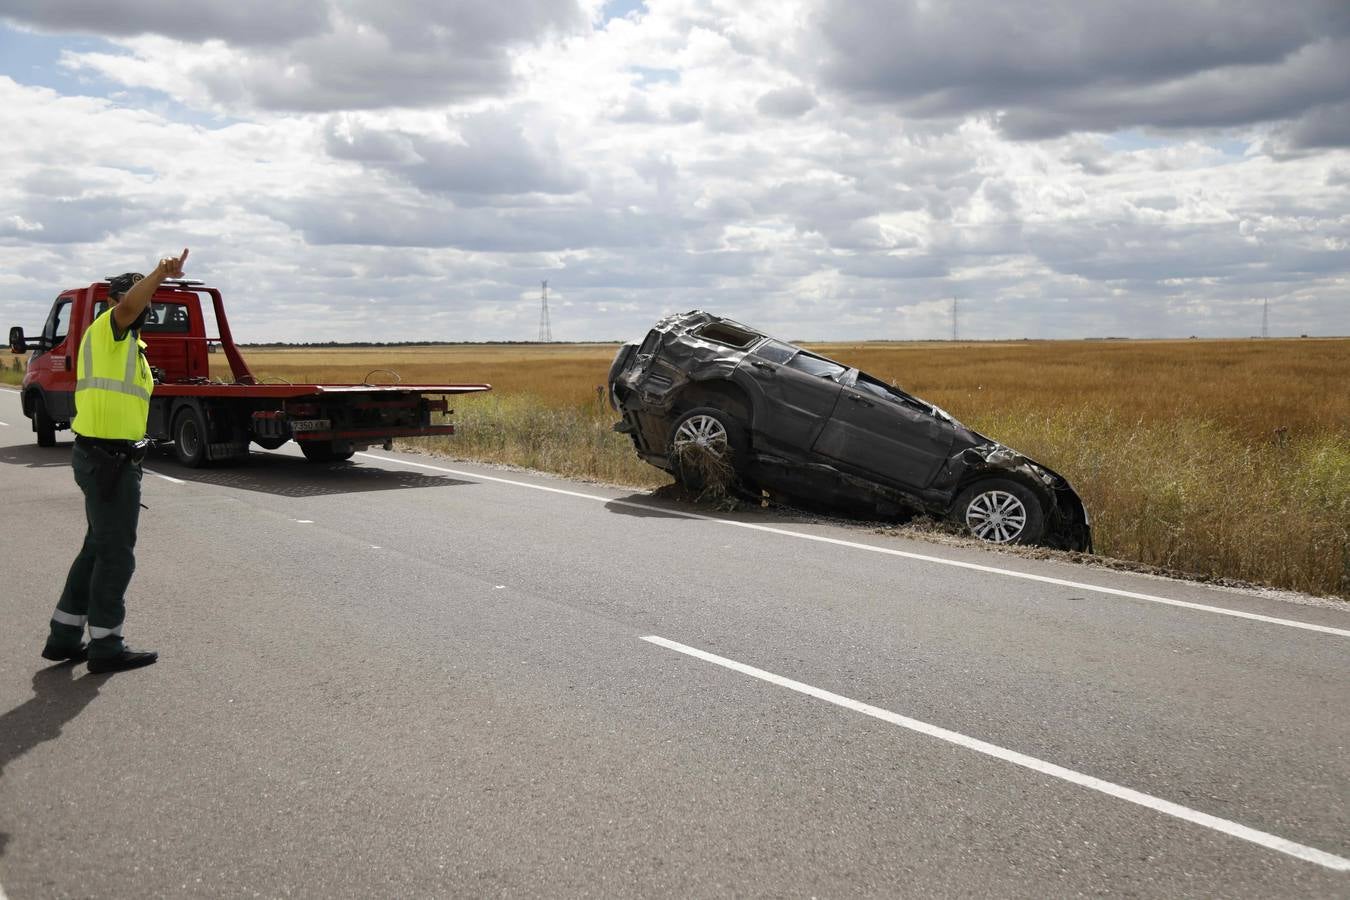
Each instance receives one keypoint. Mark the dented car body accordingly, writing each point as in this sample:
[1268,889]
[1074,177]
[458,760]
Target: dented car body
[810,430]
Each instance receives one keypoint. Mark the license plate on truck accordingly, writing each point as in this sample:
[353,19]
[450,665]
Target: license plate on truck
[299,425]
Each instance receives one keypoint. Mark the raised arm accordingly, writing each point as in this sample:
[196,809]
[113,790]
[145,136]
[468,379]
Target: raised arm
[141,293]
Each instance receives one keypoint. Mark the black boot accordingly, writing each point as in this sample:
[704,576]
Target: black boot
[127,659]
[67,653]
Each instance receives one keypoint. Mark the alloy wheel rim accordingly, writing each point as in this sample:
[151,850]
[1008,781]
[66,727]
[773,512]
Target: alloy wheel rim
[704,432]
[996,516]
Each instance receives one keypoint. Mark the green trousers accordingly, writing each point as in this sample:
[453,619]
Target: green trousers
[96,585]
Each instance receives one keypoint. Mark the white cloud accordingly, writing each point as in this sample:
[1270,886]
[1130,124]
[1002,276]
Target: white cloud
[369,186]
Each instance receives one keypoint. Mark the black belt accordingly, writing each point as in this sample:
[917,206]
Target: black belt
[124,448]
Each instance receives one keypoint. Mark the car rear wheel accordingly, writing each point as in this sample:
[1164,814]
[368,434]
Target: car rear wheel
[1001,511]
[708,447]
[43,424]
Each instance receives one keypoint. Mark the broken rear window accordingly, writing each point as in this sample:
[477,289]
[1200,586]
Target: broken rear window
[725,333]
[775,351]
[816,365]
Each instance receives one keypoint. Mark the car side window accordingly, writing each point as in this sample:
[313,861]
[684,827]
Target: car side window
[880,389]
[818,366]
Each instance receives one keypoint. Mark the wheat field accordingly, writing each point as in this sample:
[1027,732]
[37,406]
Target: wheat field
[1225,459]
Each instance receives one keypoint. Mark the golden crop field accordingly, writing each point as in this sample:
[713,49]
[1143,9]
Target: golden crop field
[1219,458]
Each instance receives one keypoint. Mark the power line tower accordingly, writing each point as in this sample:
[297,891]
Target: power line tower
[1265,318]
[545,329]
[956,331]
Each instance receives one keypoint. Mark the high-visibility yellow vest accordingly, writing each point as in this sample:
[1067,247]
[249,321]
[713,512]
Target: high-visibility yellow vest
[112,384]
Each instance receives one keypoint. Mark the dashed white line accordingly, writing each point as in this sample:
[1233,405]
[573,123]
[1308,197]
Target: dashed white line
[6,424]
[937,560]
[303,521]
[1167,807]
[160,475]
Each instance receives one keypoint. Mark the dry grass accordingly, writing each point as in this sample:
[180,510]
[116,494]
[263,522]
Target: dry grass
[1223,458]
[11,368]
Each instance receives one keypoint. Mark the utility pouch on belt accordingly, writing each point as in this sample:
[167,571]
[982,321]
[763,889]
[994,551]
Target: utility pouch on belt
[110,459]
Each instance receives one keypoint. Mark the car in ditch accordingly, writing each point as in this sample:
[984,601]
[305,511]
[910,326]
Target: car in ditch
[703,390]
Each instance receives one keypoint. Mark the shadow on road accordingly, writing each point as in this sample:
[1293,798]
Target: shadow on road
[289,476]
[32,456]
[58,697]
[268,473]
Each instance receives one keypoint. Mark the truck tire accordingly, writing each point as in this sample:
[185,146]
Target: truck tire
[337,451]
[189,437]
[43,424]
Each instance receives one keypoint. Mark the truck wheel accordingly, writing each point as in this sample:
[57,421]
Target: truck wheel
[189,438]
[1001,511]
[43,424]
[335,452]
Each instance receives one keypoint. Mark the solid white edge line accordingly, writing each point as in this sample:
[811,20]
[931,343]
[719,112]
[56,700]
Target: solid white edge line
[976,567]
[1167,807]
[165,477]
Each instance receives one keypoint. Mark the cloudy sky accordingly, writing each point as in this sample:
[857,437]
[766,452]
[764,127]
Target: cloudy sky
[825,169]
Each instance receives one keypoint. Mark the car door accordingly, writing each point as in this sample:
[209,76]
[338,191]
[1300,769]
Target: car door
[800,390]
[887,433]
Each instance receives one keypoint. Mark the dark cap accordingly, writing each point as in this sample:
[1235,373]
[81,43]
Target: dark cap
[120,284]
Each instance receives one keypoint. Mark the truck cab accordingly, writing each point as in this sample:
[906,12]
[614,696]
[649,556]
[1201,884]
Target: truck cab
[174,333]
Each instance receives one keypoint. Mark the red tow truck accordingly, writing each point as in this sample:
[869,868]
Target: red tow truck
[215,420]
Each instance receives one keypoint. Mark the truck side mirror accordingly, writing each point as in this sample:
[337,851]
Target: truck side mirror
[17,344]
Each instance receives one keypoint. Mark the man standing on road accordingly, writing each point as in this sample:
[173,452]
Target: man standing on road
[112,403]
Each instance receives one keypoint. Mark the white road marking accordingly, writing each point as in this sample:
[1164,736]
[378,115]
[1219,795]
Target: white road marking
[1167,807]
[165,477]
[303,521]
[976,567]
[6,424]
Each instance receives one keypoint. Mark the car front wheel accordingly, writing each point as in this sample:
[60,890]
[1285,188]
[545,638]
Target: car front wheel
[1001,511]
[707,447]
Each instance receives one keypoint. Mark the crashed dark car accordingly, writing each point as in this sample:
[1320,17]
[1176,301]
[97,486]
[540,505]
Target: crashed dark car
[812,431]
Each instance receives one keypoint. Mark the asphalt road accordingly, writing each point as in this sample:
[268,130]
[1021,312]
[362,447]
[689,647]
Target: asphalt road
[413,677]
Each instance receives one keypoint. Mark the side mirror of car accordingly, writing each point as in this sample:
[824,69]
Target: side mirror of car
[17,343]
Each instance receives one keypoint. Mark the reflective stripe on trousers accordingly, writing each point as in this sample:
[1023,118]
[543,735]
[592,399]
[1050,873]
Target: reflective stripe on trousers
[66,618]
